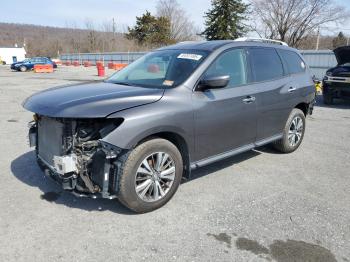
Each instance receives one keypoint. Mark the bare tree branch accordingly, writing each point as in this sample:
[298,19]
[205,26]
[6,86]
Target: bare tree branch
[293,20]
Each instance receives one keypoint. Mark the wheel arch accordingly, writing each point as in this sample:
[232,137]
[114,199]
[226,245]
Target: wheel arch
[303,107]
[179,142]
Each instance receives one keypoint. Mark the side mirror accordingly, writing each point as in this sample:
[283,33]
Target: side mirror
[213,82]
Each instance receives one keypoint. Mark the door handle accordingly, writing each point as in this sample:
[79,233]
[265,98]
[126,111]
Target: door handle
[291,89]
[248,99]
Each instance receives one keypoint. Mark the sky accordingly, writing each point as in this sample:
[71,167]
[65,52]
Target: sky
[62,13]
[74,13]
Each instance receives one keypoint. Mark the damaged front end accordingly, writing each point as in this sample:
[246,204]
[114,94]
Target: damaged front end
[71,151]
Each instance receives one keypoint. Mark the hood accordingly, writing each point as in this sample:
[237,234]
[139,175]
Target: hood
[342,54]
[342,71]
[93,100]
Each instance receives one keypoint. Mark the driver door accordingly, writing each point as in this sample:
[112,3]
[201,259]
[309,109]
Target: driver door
[225,118]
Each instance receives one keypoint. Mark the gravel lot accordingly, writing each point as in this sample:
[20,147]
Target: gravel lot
[258,206]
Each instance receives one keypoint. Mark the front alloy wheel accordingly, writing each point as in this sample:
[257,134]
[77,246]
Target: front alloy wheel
[155,177]
[150,175]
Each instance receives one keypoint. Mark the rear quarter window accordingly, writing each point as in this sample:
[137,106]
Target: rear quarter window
[266,64]
[293,61]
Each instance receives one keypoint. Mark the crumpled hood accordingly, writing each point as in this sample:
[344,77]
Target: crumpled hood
[91,100]
[342,54]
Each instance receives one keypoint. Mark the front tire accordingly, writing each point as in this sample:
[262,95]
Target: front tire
[150,175]
[293,132]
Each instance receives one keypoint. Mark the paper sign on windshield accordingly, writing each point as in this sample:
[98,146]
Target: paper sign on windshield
[190,56]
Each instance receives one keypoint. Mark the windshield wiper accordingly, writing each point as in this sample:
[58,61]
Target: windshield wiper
[122,83]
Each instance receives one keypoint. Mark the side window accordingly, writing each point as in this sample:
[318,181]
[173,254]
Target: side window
[232,63]
[266,64]
[293,61]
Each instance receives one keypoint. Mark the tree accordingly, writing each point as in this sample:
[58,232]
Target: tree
[181,28]
[338,41]
[225,20]
[292,21]
[150,30]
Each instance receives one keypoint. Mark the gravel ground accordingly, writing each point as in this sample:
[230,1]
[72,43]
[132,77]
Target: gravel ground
[258,206]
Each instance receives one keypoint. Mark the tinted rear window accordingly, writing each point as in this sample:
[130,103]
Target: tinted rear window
[266,64]
[293,61]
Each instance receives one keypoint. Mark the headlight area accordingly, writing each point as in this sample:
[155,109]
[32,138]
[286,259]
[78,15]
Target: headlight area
[71,152]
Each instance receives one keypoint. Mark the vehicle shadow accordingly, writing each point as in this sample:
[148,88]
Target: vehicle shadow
[212,168]
[25,169]
[337,103]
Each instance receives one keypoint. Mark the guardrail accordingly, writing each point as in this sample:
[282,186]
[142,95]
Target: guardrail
[113,57]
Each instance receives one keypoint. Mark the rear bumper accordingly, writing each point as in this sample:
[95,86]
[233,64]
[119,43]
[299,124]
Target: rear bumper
[311,107]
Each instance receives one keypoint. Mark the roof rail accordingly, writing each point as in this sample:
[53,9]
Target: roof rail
[264,40]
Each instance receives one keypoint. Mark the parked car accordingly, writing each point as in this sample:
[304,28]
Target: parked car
[28,64]
[135,135]
[336,83]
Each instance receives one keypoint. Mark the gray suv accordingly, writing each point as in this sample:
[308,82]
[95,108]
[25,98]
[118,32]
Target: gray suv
[135,135]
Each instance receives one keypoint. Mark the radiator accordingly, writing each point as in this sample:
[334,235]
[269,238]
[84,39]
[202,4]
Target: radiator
[50,139]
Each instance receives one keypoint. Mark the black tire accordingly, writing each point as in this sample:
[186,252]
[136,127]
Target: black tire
[283,145]
[129,166]
[22,68]
[327,99]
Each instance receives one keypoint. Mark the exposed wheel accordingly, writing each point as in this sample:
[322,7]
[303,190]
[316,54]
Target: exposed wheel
[327,99]
[293,132]
[150,175]
[23,68]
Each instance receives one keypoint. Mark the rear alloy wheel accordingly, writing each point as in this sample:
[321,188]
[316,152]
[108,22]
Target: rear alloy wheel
[293,132]
[23,69]
[150,175]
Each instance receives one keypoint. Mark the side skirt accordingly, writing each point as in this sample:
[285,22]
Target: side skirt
[236,151]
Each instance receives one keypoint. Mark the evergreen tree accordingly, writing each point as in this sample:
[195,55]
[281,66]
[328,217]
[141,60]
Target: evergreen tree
[150,30]
[340,40]
[224,20]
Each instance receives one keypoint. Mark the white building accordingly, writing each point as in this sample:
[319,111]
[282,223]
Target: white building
[12,54]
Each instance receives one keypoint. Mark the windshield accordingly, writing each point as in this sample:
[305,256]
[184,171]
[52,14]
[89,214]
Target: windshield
[346,64]
[160,69]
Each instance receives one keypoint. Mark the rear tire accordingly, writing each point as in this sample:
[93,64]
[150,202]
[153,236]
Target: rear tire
[156,192]
[293,132]
[22,69]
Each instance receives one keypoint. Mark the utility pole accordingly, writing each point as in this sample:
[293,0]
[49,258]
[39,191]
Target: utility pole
[318,39]
[113,26]
[113,29]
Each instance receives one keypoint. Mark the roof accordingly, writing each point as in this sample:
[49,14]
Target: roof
[215,44]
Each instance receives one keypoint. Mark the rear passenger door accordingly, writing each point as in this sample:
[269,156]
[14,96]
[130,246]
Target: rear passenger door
[273,98]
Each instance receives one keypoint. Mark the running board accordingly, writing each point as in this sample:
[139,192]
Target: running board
[236,151]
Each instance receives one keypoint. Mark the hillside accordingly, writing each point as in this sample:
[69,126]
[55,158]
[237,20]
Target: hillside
[49,41]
